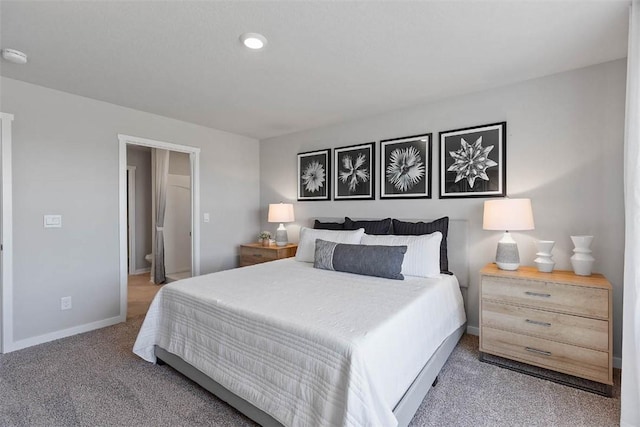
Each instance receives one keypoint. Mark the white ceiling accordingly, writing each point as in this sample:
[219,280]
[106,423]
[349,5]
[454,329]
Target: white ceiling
[326,61]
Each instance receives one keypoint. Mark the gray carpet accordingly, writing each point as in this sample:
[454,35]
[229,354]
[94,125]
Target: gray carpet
[94,379]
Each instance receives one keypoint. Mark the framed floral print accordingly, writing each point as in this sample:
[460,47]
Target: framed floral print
[405,167]
[314,172]
[353,176]
[473,162]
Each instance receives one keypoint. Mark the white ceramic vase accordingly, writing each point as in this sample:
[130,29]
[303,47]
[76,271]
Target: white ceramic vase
[582,261]
[544,262]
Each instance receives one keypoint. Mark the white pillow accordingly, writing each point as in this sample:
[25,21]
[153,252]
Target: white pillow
[423,252]
[307,245]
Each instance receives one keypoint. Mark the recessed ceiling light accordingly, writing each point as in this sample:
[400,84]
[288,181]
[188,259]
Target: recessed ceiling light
[253,41]
[14,56]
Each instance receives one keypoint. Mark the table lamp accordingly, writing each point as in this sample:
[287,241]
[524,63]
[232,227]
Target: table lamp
[508,214]
[281,212]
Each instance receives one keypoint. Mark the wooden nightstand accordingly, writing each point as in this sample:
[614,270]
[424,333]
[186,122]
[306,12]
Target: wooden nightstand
[558,321]
[255,253]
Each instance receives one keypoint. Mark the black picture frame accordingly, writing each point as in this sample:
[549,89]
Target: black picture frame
[314,175]
[468,167]
[354,174]
[405,167]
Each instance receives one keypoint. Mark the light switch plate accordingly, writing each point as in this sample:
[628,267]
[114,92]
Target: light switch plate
[53,221]
[207,218]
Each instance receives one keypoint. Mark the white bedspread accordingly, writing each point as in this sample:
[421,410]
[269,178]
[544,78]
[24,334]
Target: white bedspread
[307,346]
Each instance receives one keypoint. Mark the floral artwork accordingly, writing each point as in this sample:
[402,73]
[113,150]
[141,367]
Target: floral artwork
[473,162]
[406,167]
[313,175]
[354,176]
[353,172]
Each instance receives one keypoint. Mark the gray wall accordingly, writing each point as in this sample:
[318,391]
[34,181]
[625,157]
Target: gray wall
[65,161]
[564,151]
[140,157]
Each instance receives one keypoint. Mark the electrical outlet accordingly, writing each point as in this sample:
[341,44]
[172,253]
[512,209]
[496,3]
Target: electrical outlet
[53,221]
[65,303]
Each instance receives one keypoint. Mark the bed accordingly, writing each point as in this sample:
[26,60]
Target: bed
[289,344]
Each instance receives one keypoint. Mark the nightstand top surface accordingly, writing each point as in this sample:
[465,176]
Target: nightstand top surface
[260,246]
[596,280]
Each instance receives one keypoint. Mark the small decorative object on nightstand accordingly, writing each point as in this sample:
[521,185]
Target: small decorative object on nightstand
[505,215]
[544,262]
[265,238]
[557,321]
[255,253]
[582,261]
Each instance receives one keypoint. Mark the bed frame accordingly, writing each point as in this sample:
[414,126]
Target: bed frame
[415,394]
[404,410]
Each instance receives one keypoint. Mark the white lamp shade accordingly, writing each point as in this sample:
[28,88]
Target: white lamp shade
[508,215]
[281,212]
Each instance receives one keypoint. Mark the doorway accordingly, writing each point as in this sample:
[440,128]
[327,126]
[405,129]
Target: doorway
[137,218]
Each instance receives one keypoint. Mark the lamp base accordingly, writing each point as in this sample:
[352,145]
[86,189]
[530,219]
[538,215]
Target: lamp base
[507,256]
[282,239]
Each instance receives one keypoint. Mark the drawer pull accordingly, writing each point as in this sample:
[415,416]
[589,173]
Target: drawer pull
[536,351]
[536,322]
[537,294]
[257,255]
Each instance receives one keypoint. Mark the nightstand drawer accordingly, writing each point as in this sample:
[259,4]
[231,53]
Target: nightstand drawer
[580,331]
[258,254]
[592,302]
[255,253]
[590,364]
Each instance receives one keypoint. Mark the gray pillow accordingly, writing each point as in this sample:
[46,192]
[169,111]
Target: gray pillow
[377,227]
[330,225]
[373,260]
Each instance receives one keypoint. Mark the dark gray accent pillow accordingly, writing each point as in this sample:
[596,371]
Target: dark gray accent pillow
[420,228]
[328,225]
[374,260]
[376,227]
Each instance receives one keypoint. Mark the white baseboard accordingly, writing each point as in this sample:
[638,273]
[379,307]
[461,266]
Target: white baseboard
[141,271]
[52,336]
[473,330]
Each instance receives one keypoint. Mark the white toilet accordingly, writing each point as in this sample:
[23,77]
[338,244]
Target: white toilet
[149,258]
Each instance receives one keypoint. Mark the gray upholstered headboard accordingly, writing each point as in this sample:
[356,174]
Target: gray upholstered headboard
[457,245]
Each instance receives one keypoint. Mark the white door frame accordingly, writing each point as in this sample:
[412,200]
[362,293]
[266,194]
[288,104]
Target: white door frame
[7,237]
[194,156]
[131,217]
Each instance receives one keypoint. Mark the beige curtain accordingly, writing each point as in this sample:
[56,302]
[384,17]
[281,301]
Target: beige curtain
[161,179]
[630,410]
